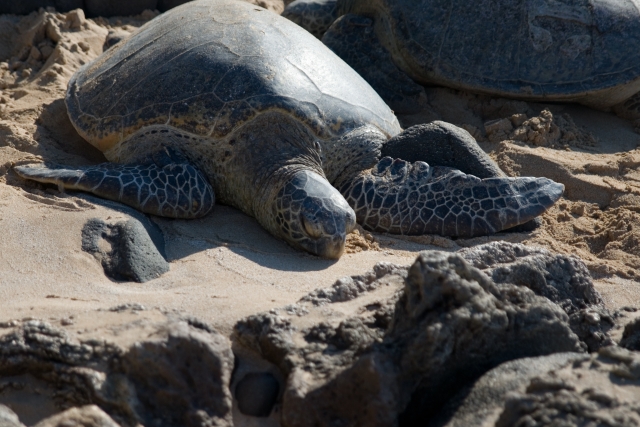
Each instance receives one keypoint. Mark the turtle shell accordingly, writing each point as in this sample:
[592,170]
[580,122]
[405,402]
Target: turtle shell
[582,50]
[207,67]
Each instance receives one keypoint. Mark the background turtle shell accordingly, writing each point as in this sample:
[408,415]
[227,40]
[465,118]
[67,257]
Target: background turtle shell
[535,49]
[208,66]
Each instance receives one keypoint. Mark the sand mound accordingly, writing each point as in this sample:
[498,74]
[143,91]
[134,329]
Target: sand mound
[543,130]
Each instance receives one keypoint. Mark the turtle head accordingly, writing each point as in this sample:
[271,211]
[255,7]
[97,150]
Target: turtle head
[310,214]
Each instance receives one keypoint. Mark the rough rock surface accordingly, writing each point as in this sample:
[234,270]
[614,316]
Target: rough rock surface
[601,391]
[181,376]
[177,376]
[420,334]
[482,403]
[563,279]
[125,250]
[86,416]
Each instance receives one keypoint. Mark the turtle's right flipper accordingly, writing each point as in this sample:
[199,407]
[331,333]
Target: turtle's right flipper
[413,199]
[352,38]
[175,190]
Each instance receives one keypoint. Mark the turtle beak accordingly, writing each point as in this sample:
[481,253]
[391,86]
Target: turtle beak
[313,215]
[328,243]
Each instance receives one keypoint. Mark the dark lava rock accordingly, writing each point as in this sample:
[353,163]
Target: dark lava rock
[256,394]
[176,376]
[181,376]
[563,279]
[483,402]
[601,391]
[442,144]
[400,341]
[125,250]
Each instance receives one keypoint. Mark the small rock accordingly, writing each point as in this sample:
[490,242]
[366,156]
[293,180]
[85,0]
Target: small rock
[518,119]
[53,32]
[35,53]
[75,18]
[128,307]
[132,255]
[256,394]
[46,51]
[114,37]
[84,46]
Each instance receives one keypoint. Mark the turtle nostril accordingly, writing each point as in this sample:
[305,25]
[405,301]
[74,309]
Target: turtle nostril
[311,227]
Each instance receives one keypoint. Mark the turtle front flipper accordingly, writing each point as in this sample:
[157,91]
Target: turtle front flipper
[412,199]
[174,190]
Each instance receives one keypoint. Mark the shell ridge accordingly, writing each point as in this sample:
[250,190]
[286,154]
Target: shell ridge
[123,60]
[163,67]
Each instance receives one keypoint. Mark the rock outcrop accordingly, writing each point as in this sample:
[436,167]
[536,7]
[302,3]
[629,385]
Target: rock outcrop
[396,343]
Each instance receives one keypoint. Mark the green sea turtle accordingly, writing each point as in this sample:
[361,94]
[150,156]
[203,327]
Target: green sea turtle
[228,99]
[562,50]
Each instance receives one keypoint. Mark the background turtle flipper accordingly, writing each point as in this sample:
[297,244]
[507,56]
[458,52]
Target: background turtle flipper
[412,199]
[443,144]
[315,16]
[175,190]
[352,38]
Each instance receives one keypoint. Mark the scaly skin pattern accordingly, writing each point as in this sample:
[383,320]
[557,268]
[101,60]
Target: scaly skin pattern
[402,198]
[306,207]
[173,191]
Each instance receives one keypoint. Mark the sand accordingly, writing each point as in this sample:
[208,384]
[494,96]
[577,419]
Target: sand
[225,266]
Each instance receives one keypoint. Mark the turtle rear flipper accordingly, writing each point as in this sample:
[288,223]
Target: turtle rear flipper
[174,190]
[412,199]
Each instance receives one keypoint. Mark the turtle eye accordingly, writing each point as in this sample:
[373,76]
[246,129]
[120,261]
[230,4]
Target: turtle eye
[312,228]
[318,146]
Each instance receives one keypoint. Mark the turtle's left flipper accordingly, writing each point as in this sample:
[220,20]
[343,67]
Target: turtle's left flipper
[174,190]
[412,199]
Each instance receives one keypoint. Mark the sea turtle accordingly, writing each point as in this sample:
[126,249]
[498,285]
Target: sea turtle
[583,51]
[228,99]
